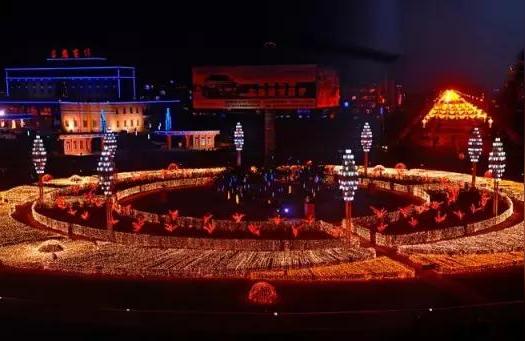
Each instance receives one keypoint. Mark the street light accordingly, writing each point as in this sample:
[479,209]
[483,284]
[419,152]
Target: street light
[497,159]
[475,146]
[106,169]
[348,184]
[39,161]
[238,141]
[366,143]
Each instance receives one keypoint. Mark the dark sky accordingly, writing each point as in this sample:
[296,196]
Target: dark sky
[424,44]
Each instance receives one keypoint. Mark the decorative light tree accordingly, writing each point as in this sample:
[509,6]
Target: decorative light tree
[167,120]
[106,169]
[366,143]
[110,140]
[238,140]
[167,127]
[475,145]
[39,161]
[103,122]
[348,184]
[497,159]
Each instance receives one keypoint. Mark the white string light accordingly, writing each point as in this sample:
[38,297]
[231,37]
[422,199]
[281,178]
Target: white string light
[348,176]
[238,137]
[106,164]
[475,145]
[497,159]
[39,155]
[366,137]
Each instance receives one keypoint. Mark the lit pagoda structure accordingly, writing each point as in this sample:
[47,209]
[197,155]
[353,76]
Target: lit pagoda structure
[449,122]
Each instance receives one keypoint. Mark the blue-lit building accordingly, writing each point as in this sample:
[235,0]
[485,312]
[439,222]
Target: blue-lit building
[66,96]
[72,79]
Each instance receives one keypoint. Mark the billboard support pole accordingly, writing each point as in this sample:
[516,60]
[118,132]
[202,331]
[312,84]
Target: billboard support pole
[269,135]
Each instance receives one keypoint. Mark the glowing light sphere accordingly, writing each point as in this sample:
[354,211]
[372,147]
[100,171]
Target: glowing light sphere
[348,176]
[475,145]
[39,155]
[497,159]
[238,137]
[262,293]
[366,137]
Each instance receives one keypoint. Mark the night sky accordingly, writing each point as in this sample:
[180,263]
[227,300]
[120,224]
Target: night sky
[423,44]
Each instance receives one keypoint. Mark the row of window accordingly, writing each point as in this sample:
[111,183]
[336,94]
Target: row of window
[126,111]
[81,143]
[74,123]
[98,86]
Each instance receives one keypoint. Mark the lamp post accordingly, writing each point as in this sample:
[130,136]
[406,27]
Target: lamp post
[475,145]
[348,185]
[39,161]
[497,159]
[366,143]
[106,169]
[238,140]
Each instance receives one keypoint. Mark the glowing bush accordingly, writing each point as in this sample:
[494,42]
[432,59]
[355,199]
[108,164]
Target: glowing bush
[262,293]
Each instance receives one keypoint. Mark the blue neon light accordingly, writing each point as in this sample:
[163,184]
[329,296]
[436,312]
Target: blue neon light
[106,102]
[167,120]
[134,87]
[74,77]
[118,82]
[16,116]
[68,68]
[6,84]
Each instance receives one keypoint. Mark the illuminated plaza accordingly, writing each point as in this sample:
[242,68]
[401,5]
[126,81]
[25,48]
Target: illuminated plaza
[289,196]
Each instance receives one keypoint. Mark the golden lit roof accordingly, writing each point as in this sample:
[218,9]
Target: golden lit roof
[452,105]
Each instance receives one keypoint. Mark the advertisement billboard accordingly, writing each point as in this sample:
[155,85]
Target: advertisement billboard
[265,87]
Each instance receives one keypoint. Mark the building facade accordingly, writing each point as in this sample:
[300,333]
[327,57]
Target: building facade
[68,94]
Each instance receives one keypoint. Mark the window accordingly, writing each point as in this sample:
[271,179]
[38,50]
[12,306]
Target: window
[66,123]
[81,144]
[118,124]
[131,123]
[123,110]
[75,123]
[84,123]
[137,110]
[131,110]
[94,123]
[138,123]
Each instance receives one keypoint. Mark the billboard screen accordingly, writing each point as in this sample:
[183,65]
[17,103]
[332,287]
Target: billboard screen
[265,87]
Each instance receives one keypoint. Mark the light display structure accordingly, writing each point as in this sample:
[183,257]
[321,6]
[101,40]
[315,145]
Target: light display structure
[39,162]
[475,146]
[238,141]
[366,143]
[497,158]
[348,184]
[106,171]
